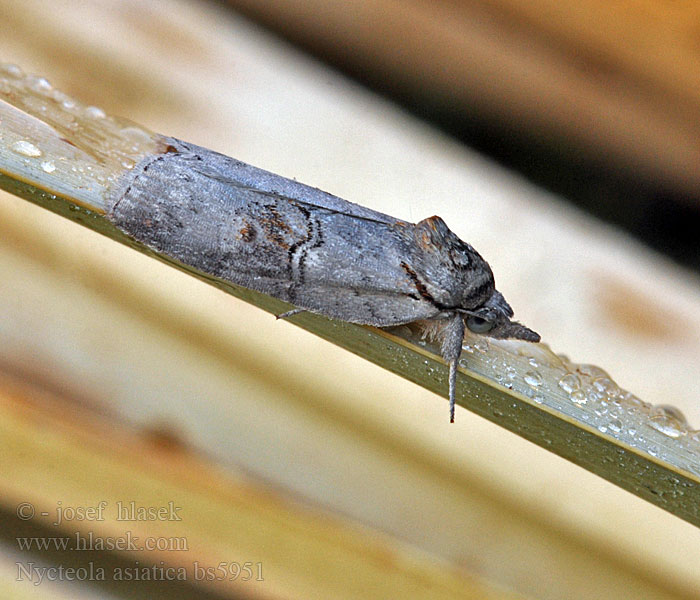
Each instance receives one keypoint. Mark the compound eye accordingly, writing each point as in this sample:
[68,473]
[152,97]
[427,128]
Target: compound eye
[479,325]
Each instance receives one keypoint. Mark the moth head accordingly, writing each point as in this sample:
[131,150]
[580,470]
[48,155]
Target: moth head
[451,270]
[492,318]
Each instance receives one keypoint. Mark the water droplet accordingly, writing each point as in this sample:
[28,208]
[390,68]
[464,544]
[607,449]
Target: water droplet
[59,96]
[533,363]
[591,371]
[631,400]
[48,166]
[570,383]
[12,70]
[26,149]
[481,346]
[533,379]
[95,112]
[127,163]
[666,424]
[615,426]
[593,395]
[68,103]
[578,397]
[39,84]
[606,387]
[673,412]
[136,134]
[511,372]
[538,398]
[602,428]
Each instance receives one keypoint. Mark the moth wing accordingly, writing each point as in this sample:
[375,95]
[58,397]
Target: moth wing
[359,271]
[366,307]
[239,174]
[276,236]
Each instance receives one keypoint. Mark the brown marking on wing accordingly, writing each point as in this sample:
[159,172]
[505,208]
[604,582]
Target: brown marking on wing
[420,286]
[275,227]
[247,233]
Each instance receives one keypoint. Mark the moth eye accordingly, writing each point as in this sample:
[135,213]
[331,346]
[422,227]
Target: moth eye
[479,325]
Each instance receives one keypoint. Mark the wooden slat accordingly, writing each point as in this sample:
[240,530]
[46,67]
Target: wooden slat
[616,81]
[61,460]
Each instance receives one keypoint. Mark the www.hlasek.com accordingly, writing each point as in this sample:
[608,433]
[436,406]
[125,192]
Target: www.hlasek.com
[224,571]
[88,541]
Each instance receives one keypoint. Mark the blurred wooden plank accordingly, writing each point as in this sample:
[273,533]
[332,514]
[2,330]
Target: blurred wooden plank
[62,460]
[618,81]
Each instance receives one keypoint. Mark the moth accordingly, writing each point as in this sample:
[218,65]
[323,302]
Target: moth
[314,250]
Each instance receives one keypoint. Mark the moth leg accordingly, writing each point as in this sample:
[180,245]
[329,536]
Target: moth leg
[451,350]
[289,313]
[453,385]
